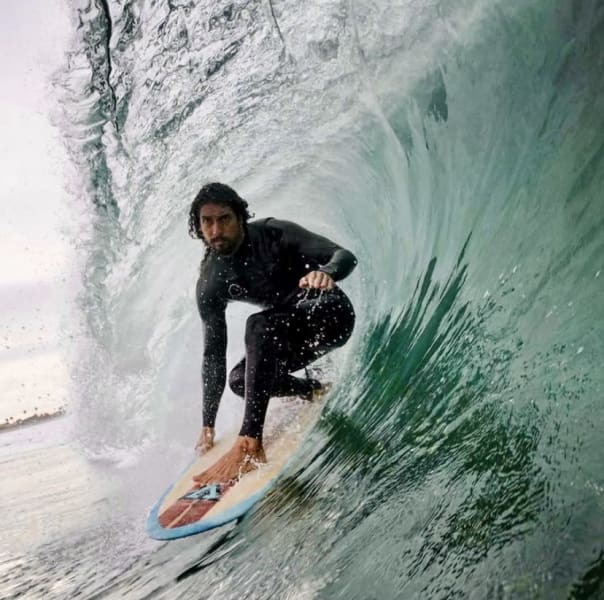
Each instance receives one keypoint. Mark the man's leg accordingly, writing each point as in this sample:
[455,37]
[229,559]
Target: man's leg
[284,384]
[324,324]
[281,341]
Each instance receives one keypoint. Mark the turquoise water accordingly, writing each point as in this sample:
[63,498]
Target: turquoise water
[458,149]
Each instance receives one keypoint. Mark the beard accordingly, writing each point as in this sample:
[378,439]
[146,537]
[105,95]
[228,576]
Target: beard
[222,245]
[225,245]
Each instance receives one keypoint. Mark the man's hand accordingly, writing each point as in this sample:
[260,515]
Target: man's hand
[205,441]
[318,280]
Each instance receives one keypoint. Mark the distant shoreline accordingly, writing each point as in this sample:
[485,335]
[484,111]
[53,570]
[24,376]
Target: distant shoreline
[34,419]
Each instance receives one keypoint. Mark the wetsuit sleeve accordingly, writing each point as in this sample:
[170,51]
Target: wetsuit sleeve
[213,366]
[332,259]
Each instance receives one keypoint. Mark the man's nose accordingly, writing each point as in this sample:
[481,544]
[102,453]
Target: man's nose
[215,229]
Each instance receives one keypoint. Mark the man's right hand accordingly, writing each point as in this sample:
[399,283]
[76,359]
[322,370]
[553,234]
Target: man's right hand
[205,441]
[317,280]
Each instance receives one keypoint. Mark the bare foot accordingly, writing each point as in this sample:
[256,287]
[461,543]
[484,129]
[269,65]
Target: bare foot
[244,456]
[205,441]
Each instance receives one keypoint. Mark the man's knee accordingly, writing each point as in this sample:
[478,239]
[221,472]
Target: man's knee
[237,381]
[266,332]
[256,327]
[259,328]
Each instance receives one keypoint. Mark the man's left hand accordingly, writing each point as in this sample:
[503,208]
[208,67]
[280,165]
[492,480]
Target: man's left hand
[317,280]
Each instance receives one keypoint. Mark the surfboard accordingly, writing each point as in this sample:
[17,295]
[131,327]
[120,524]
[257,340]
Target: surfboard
[186,509]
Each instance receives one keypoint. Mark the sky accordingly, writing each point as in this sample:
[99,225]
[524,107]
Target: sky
[34,37]
[36,261]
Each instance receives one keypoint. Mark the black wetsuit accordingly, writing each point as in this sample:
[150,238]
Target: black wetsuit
[296,328]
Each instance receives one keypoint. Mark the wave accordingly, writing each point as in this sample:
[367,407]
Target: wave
[458,149]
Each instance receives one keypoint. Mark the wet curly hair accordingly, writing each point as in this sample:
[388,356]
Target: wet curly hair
[216,193]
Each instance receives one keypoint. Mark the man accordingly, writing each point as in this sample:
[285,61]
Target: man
[288,271]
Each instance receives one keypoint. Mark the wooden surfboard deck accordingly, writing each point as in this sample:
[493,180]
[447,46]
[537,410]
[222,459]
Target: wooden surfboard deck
[184,509]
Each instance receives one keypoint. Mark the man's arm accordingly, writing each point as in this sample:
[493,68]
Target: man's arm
[340,265]
[213,367]
[332,259]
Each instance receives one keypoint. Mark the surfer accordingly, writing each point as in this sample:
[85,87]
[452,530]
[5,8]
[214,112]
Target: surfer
[291,273]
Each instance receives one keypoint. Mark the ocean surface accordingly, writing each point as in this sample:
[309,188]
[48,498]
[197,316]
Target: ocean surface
[457,147]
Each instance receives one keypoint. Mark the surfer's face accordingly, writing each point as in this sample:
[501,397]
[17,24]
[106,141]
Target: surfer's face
[220,227]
